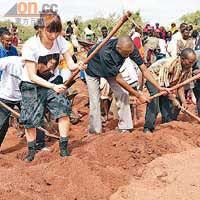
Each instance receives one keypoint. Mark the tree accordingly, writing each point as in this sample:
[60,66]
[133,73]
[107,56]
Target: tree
[192,18]
[110,22]
[24,32]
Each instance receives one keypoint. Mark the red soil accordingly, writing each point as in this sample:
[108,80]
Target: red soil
[98,165]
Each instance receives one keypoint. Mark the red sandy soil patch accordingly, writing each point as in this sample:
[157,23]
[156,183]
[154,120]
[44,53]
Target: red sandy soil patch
[100,165]
[173,176]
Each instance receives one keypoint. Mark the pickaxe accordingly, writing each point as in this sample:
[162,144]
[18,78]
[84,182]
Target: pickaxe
[115,29]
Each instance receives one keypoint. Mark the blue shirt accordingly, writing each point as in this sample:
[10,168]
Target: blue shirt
[4,53]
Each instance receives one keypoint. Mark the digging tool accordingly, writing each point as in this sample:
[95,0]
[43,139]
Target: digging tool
[184,110]
[115,29]
[176,86]
[189,113]
[17,115]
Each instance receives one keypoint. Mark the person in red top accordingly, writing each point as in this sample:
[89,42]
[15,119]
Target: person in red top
[157,28]
[136,37]
[146,29]
[162,32]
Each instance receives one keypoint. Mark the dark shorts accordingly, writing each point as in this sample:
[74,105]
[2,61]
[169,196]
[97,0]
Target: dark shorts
[35,101]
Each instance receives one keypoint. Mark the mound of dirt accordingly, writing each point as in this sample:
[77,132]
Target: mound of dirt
[174,177]
[100,165]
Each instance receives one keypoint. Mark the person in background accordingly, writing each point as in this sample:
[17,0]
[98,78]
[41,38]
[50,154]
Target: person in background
[135,34]
[6,47]
[190,29]
[162,48]
[150,48]
[106,94]
[162,32]
[76,28]
[168,36]
[136,37]
[197,46]
[174,28]
[15,40]
[89,33]
[157,28]
[146,30]
[172,47]
[131,74]
[69,30]
[195,37]
[75,36]
[89,37]
[185,41]
[104,33]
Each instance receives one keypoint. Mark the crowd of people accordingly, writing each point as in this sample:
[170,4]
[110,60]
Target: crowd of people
[148,57]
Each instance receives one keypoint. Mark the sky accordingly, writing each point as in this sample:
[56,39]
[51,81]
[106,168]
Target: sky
[151,11]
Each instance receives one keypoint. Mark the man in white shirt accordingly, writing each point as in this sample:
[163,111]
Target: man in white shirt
[172,46]
[89,33]
[104,32]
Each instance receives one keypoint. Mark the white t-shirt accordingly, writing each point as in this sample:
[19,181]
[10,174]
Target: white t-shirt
[88,31]
[129,71]
[34,50]
[135,34]
[162,45]
[13,74]
[172,45]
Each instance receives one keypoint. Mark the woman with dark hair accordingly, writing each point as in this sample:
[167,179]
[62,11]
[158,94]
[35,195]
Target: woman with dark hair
[44,89]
